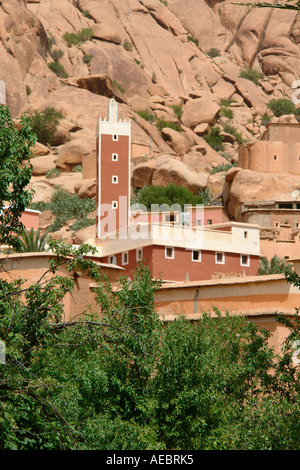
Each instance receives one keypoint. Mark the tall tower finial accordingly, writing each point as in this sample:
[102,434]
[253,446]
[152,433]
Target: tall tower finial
[113,110]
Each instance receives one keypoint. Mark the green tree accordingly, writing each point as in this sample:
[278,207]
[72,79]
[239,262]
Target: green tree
[44,124]
[273,266]
[16,145]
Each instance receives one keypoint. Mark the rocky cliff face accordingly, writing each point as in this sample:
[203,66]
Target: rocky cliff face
[178,60]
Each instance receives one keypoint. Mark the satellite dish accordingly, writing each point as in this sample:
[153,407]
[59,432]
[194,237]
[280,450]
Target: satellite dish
[295,193]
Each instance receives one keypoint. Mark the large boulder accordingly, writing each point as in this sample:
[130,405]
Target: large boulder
[198,111]
[248,185]
[71,154]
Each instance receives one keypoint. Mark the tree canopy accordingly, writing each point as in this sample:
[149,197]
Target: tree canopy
[16,144]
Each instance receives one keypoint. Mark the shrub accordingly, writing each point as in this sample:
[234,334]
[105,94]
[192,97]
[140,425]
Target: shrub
[177,110]
[147,115]
[222,167]
[127,45]
[120,88]
[65,206]
[226,112]
[28,90]
[225,102]
[77,169]
[251,74]
[87,58]
[87,14]
[53,173]
[169,195]
[58,69]
[85,34]
[213,52]
[233,131]
[44,124]
[194,40]
[71,39]
[214,138]
[161,123]
[56,54]
[282,106]
[265,119]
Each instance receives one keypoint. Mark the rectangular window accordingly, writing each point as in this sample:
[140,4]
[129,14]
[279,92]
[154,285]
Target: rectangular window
[169,252]
[125,258]
[245,260]
[112,260]
[220,258]
[198,222]
[209,222]
[114,179]
[139,254]
[115,137]
[114,204]
[114,157]
[245,234]
[196,255]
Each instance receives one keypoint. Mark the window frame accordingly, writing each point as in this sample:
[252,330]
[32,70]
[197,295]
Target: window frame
[173,252]
[216,257]
[125,261]
[248,260]
[200,256]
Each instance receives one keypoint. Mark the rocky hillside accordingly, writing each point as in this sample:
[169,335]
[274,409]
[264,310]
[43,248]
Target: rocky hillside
[175,68]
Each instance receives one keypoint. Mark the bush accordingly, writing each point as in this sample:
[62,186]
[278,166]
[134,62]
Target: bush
[161,123]
[282,106]
[77,169]
[177,110]
[147,115]
[265,119]
[214,138]
[213,52]
[194,40]
[28,90]
[222,167]
[58,69]
[170,194]
[233,131]
[226,112]
[65,206]
[53,173]
[120,88]
[56,54]
[85,34]
[127,45]
[252,75]
[44,124]
[87,58]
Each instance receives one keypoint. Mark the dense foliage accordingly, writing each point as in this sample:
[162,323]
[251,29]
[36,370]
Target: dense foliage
[126,382]
[16,144]
[164,197]
[44,124]
[65,206]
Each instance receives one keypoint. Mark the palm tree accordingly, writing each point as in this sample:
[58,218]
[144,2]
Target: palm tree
[274,266]
[32,241]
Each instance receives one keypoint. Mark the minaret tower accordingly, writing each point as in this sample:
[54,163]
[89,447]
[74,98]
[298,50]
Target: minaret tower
[113,173]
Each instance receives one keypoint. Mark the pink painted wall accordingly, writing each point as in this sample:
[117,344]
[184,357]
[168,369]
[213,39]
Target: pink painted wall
[183,268]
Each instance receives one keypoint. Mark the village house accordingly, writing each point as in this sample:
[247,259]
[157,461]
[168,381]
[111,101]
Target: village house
[277,152]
